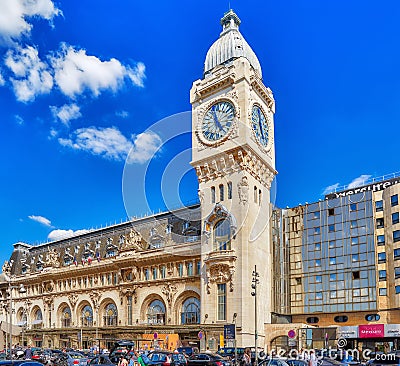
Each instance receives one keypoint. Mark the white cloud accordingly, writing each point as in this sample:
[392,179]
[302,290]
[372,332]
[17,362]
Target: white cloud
[122,114]
[144,147]
[66,113]
[359,181]
[42,220]
[20,121]
[14,15]
[2,81]
[31,76]
[75,72]
[112,144]
[60,234]
[331,188]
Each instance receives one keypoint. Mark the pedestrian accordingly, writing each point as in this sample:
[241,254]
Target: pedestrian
[123,361]
[140,360]
[28,353]
[313,359]
[247,357]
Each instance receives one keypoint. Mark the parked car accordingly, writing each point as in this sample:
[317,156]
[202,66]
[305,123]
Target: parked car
[188,350]
[230,352]
[207,359]
[100,360]
[274,362]
[296,362]
[71,359]
[120,348]
[19,363]
[166,358]
[389,359]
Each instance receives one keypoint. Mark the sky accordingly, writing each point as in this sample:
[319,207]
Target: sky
[82,83]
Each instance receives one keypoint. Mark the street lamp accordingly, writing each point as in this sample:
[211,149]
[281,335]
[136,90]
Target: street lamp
[234,321]
[254,282]
[22,290]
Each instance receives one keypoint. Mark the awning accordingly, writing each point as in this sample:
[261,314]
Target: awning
[5,327]
[21,324]
[37,321]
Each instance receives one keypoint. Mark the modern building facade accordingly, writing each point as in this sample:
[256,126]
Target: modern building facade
[325,270]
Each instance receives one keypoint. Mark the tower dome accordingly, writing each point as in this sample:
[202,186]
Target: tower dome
[230,45]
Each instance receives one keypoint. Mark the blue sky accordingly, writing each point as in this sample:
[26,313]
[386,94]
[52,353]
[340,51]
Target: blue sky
[82,81]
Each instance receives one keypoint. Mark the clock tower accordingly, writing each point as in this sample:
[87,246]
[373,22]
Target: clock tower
[234,157]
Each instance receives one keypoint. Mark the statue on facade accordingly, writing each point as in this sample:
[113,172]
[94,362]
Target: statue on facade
[52,259]
[134,241]
[243,190]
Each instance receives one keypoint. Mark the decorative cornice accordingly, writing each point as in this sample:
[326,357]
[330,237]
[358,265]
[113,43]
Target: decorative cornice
[264,92]
[233,161]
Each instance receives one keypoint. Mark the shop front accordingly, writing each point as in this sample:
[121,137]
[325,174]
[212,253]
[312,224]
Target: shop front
[370,337]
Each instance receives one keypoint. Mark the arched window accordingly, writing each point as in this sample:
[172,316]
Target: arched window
[87,316]
[229,190]
[221,192]
[191,311]
[156,313]
[66,317]
[212,194]
[222,235]
[37,319]
[110,315]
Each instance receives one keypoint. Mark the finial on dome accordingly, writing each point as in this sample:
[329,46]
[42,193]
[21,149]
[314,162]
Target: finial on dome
[230,20]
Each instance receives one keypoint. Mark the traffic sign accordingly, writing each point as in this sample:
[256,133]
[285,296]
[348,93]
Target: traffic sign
[291,334]
[200,335]
[155,335]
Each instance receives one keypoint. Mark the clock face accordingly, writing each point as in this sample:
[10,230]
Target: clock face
[218,121]
[260,125]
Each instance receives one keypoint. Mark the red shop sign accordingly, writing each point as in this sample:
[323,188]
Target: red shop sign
[371,331]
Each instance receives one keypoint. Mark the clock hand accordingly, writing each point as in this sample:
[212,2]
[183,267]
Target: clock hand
[216,119]
[259,123]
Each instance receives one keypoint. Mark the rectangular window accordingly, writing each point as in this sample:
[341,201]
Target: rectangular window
[255,194]
[198,269]
[318,246]
[318,279]
[190,269]
[395,218]
[332,244]
[394,200]
[356,275]
[382,275]
[222,301]
[355,258]
[221,192]
[146,274]
[396,235]
[333,295]
[332,260]
[332,277]
[180,270]
[379,206]
[229,190]
[382,291]
[353,207]
[331,228]
[130,310]
[298,280]
[382,257]
[317,230]
[163,271]
[397,272]
[259,197]
[380,239]
[396,253]
[316,215]
[154,273]
[318,263]
[331,211]
[318,296]
[380,223]
[354,241]
[212,194]
[353,224]
[397,289]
